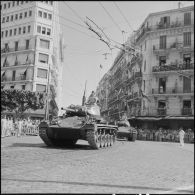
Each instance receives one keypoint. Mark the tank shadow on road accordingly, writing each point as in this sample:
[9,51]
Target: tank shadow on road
[98,184]
[42,145]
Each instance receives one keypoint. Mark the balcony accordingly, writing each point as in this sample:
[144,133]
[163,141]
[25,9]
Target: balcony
[17,79]
[186,111]
[13,50]
[160,26]
[171,90]
[174,67]
[162,111]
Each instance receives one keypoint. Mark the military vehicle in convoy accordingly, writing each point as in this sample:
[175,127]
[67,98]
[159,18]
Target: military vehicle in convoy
[79,122]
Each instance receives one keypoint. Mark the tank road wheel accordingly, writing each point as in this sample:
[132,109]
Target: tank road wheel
[93,139]
[43,133]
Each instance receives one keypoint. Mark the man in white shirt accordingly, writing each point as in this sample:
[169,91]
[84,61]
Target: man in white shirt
[181,136]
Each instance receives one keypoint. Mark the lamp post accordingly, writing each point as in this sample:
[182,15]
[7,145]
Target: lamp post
[48,94]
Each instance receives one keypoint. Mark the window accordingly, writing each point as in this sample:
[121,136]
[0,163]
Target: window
[23,87]
[187,38]
[162,85]
[30,13]
[44,44]
[10,32]
[41,88]
[7,19]
[187,104]
[144,85]
[187,60]
[22,2]
[187,19]
[13,3]
[43,58]
[4,6]
[17,2]
[16,16]
[14,75]
[28,29]
[145,45]
[144,65]
[12,87]
[51,2]
[49,16]
[161,104]
[2,34]
[162,60]
[19,30]
[43,30]
[165,21]
[27,44]
[48,31]
[39,29]
[12,18]
[15,31]
[9,5]
[44,15]
[6,33]
[163,42]
[40,14]
[25,14]
[16,46]
[186,85]
[42,73]
[20,17]
[24,29]
[3,21]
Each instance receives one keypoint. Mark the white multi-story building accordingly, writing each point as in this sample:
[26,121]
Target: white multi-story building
[159,81]
[32,48]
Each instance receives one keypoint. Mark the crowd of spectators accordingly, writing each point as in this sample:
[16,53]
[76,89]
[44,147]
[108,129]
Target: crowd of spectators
[164,135]
[18,127]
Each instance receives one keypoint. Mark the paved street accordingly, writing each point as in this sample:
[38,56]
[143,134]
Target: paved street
[28,166]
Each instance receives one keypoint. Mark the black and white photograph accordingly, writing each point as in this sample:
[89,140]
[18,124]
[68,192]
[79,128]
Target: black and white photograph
[97,97]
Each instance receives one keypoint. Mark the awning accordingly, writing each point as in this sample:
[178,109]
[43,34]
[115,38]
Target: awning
[163,118]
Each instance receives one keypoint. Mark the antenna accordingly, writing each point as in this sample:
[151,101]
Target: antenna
[84,98]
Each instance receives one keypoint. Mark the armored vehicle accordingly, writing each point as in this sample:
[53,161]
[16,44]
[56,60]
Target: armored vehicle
[79,122]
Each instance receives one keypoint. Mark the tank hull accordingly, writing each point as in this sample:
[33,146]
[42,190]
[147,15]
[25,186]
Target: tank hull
[97,135]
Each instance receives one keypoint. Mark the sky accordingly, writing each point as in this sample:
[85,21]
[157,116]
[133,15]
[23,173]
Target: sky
[83,54]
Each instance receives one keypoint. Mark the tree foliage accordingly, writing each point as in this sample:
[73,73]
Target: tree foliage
[19,101]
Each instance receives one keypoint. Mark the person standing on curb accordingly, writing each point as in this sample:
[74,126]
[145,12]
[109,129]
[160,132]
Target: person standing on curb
[181,136]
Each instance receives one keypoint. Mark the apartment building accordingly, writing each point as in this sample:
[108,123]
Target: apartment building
[160,79]
[32,49]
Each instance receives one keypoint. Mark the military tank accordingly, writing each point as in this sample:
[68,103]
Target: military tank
[79,122]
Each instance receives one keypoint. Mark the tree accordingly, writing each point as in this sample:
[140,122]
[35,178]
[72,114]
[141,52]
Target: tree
[18,101]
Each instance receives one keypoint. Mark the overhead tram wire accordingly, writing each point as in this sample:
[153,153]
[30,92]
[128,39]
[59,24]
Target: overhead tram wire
[123,15]
[73,11]
[110,16]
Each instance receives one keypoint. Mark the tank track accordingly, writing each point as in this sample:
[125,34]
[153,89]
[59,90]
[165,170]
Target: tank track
[101,136]
[43,134]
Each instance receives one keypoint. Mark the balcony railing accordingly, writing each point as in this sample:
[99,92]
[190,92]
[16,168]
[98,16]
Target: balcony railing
[159,26]
[173,67]
[11,50]
[18,64]
[162,111]
[19,78]
[186,111]
[172,90]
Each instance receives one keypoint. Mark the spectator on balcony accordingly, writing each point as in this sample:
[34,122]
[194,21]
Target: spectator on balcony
[181,136]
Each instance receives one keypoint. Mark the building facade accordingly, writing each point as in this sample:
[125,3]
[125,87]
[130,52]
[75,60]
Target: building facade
[31,49]
[160,85]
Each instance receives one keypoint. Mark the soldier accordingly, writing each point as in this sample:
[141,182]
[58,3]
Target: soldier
[92,98]
[181,136]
